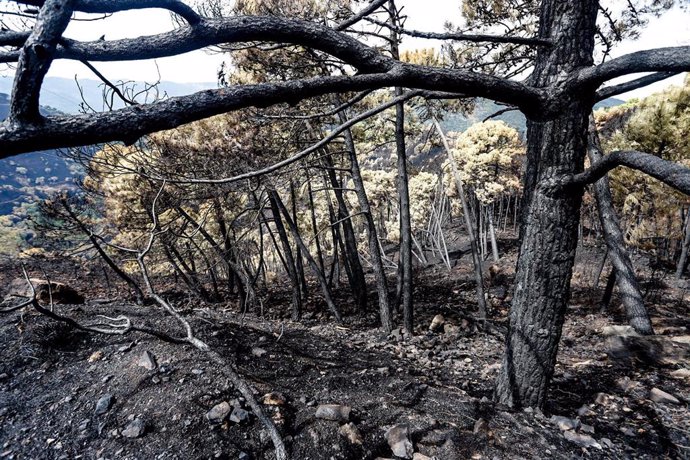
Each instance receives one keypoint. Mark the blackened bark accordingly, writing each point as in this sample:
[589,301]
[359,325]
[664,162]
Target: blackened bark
[372,234]
[629,288]
[289,260]
[353,265]
[550,220]
[138,293]
[683,260]
[321,278]
[405,272]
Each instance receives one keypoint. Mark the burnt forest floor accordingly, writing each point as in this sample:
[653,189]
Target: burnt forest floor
[438,383]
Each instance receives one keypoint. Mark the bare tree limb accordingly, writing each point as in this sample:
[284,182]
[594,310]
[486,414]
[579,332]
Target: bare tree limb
[370,8]
[610,91]
[476,38]
[671,59]
[113,6]
[668,172]
[35,59]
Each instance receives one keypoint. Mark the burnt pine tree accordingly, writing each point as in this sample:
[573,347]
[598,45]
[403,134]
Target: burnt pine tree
[557,99]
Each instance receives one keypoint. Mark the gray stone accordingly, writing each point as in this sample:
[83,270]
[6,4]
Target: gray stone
[398,440]
[564,423]
[661,397]
[682,374]
[609,331]
[437,323]
[147,360]
[135,429]
[239,415]
[258,352]
[334,412]
[351,433]
[103,404]
[582,440]
[219,413]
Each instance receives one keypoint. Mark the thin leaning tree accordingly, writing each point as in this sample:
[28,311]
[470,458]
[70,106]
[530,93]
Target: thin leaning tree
[557,99]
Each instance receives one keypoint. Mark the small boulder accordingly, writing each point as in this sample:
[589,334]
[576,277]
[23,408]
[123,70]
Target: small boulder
[147,360]
[351,433]
[219,413]
[60,292]
[104,404]
[334,412]
[437,323]
[398,438]
[135,429]
[239,415]
[661,397]
[564,423]
[681,374]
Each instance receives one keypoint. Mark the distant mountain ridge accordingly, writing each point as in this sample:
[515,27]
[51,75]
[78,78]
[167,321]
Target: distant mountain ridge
[24,178]
[31,176]
[65,95]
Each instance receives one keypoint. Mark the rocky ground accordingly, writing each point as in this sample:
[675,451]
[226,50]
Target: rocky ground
[343,392]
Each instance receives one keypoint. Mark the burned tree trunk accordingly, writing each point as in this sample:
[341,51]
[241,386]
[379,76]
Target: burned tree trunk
[549,228]
[625,277]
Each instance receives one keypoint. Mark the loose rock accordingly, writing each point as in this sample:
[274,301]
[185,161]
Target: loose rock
[258,352]
[437,323]
[564,423]
[147,360]
[351,433]
[399,442]
[135,429]
[219,413]
[334,412]
[661,397]
[582,440]
[239,415]
[103,404]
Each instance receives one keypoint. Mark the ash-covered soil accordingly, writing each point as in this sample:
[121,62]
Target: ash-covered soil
[437,383]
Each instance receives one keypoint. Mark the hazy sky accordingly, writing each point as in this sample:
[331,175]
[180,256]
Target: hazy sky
[672,29]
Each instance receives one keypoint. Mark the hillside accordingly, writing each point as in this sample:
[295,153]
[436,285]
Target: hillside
[27,177]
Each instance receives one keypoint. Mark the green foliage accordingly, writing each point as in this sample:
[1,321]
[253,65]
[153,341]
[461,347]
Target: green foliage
[489,157]
[659,125]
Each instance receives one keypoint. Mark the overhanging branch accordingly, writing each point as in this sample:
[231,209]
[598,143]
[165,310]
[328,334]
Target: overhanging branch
[668,172]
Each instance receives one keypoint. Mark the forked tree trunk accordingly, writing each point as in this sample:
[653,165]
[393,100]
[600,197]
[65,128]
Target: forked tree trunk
[555,147]
[626,280]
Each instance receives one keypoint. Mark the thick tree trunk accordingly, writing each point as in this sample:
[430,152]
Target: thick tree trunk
[626,280]
[550,219]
